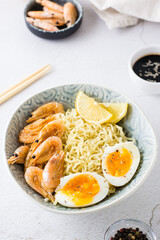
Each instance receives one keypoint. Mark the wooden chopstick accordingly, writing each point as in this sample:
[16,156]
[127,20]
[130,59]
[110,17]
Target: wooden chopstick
[4,96]
[25,80]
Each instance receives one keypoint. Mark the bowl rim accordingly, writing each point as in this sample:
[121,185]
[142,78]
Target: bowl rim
[60,30]
[130,220]
[85,210]
[130,65]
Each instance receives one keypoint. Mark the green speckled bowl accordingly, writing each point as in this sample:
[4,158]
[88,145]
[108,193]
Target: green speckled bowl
[135,124]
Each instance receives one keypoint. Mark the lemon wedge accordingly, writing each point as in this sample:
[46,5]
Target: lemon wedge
[90,110]
[118,110]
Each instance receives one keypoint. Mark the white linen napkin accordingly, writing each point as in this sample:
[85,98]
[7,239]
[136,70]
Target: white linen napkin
[122,13]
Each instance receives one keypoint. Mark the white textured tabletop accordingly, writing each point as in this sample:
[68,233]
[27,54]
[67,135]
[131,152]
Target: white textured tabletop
[93,55]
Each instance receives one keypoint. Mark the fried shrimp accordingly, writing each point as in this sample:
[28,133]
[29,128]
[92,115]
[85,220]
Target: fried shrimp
[31,132]
[46,14]
[51,5]
[46,110]
[46,150]
[52,172]
[49,16]
[70,14]
[43,24]
[54,128]
[19,155]
[33,177]
[55,14]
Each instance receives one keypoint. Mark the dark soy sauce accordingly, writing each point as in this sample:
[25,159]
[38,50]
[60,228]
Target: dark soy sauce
[148,68]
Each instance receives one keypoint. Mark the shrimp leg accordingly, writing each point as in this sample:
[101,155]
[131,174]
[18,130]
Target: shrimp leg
[19,156]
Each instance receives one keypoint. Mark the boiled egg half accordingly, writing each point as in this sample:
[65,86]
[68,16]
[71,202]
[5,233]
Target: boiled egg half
[120,163]
[81,189]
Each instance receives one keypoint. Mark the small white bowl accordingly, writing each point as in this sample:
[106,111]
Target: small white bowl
[149,87]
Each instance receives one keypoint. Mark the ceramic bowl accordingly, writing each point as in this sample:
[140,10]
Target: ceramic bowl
[63,32]
[135,124]
[129,223]
[146,86]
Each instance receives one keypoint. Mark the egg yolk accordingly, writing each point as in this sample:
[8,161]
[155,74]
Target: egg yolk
[81,189]
[119,162]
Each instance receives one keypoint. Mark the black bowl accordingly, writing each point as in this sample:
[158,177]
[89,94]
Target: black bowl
[62,33]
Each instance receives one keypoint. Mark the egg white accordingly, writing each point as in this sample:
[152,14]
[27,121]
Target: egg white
[135,155]
[65,200]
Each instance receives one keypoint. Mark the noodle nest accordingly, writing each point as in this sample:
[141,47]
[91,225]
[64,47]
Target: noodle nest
[84,143]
